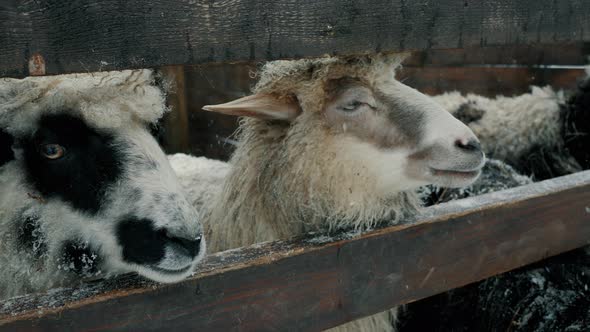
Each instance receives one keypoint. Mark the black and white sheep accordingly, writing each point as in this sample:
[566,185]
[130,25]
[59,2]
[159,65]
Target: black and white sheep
[85,190]
[332,143]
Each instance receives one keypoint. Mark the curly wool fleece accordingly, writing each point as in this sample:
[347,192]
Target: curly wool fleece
[103,100]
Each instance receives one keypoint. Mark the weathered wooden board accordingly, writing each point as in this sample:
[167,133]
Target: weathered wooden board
[174,131]
[310,284]
[488,81]
[524,55]
[51,36]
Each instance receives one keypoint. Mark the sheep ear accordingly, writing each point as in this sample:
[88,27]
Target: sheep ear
[261,106]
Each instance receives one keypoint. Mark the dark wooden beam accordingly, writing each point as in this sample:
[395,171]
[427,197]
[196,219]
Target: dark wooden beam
[488,81]
[310,284]
[174,132]
[516,55]
[52,37]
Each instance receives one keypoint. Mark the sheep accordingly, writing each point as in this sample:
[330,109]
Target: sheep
[85,190]
[541,133]
[201,178]
[333,143]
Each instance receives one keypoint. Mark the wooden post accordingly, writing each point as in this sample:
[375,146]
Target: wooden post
[176,123]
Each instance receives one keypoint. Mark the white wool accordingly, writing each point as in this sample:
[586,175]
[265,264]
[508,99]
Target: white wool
[284,179]
[120,104]
[201,178]
[103,100]
[511,125]
[538,112]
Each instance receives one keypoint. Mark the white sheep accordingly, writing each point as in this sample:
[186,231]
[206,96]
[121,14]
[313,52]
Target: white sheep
[542,133]
[332,143]
[85,190]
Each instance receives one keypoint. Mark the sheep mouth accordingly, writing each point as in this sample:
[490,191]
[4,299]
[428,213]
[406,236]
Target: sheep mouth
[170,271]
[455,174]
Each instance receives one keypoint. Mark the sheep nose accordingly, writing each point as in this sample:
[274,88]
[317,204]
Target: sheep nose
[191,245]
[471,145]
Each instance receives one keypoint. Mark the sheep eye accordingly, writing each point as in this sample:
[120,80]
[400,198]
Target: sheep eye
[52,151]
[352,106]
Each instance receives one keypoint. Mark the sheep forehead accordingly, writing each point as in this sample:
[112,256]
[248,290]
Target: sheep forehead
[306,78]
[103,100]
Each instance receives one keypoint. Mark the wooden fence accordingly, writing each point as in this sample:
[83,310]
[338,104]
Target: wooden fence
[54,37]
[314,282]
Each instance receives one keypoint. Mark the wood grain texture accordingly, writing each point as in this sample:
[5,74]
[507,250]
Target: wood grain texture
[212,134]
[488,81]
[86,35]
[174,128]
[523,55]
[309,284]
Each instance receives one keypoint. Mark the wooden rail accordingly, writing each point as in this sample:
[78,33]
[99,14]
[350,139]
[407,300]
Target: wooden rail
[40,37]
[311,283]
[522,54]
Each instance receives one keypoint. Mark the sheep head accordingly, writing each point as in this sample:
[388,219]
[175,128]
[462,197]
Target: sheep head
[369,121]
[84,187]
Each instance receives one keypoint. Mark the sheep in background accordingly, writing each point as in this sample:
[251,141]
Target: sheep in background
[201,178]
[334,143]
[85,190]
[541,133]
[576,120]
[551,295]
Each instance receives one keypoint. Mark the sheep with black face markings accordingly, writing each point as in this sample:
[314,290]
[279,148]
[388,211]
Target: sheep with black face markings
[85,190]
[332,143]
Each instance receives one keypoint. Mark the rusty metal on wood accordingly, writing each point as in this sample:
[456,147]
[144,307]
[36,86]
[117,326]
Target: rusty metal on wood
[309,284]
[37,65]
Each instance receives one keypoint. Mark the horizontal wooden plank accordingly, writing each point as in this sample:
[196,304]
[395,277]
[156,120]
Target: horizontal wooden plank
[52,37]
[310,284]
[488,81]
[524,55]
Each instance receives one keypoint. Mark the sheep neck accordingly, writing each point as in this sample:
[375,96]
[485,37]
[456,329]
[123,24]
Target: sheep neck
[284,183]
